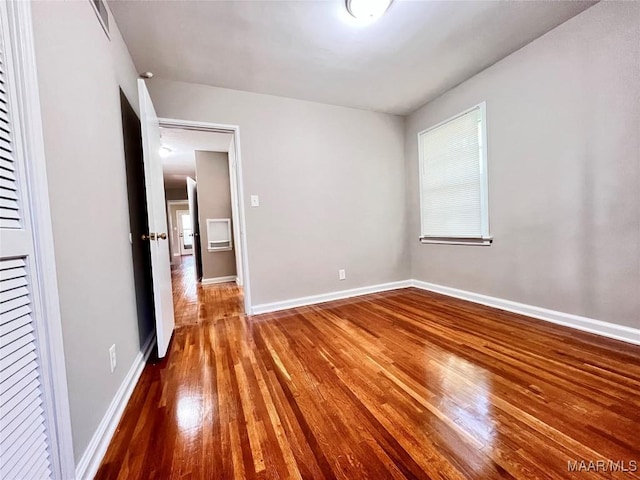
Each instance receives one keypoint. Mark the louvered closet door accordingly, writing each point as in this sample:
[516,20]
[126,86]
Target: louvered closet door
[9,215]
[24,450]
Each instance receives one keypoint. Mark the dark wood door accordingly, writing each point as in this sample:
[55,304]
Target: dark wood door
[192,195]
[138,218]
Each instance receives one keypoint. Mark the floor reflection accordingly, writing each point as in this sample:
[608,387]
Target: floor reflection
[400,384]
[466,398]
[189,413]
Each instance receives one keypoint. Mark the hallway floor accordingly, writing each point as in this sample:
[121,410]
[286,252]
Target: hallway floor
[401,384]
[193,303]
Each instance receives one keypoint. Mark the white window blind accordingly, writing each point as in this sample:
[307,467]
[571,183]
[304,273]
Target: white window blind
[453,180]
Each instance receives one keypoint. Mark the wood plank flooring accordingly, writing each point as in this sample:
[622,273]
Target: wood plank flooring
[193,302]
[402,384]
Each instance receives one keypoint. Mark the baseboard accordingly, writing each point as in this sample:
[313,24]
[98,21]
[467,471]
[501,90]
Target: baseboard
[90,462]
[598,327]
[211,281]
[606,329]
[327,297]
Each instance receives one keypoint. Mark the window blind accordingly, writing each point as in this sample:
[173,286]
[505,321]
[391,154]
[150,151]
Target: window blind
[453,178]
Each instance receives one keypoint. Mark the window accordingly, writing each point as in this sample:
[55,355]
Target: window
[453,180]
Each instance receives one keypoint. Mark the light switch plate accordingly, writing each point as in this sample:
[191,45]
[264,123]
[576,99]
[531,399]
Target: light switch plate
[255,201]
[112,357]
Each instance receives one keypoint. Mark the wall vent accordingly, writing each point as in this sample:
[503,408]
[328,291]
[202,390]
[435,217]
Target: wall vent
[103,14]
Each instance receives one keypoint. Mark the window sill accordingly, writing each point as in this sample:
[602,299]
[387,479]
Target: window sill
[458,241]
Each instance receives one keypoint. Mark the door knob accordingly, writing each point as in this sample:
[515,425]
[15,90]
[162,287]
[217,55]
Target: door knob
[162,236]
[151,236]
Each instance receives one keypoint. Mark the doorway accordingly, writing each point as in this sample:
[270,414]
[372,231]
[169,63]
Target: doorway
[207,236]
[138,219]
[185,232]
[181,239]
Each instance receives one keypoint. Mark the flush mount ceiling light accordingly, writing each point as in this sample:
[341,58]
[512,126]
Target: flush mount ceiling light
[164,151]
[367,9]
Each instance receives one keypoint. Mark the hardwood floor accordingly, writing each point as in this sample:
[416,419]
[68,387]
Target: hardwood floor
[402,384]
[193,303]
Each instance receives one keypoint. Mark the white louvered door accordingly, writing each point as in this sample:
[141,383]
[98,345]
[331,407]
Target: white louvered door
[24,441]
[9,214]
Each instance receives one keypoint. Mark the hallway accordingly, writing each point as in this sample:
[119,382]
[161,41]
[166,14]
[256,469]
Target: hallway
[194,303]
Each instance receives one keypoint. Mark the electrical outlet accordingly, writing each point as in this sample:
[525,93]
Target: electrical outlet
[255,201]
[112,357]
[342,274]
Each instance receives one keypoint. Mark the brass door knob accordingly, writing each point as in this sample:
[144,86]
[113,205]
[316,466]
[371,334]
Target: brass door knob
[145,237]
[162,236]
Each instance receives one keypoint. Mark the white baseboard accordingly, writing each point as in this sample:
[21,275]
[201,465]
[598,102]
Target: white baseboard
[327,297]
[211,281]
[90,462]
[606,329]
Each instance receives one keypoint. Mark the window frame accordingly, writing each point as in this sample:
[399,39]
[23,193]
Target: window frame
[485,237]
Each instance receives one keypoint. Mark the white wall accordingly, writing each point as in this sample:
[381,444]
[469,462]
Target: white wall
[563,117]
[331,183]
[79,72]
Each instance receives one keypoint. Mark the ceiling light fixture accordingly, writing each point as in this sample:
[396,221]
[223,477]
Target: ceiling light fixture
[367,9]
[164,151]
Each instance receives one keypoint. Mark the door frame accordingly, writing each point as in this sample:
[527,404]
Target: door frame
[171,203]
[48,319]
[237,196]
[180,213]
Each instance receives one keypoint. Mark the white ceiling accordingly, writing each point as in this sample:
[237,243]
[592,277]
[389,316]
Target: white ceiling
[181,162]
[313,50]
